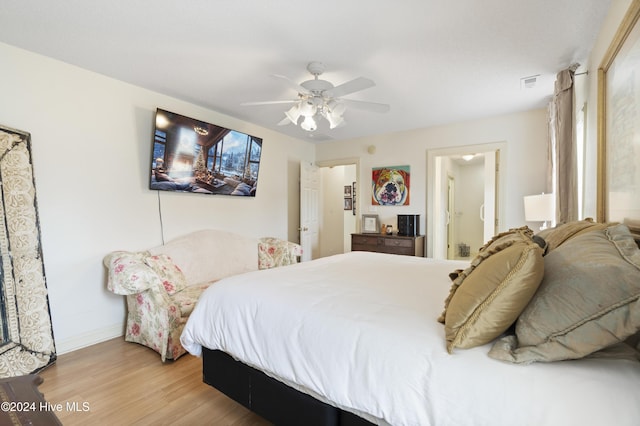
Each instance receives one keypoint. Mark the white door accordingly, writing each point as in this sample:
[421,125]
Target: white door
[309,210]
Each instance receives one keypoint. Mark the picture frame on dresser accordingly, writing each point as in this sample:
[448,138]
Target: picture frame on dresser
[370,224]
[618,168]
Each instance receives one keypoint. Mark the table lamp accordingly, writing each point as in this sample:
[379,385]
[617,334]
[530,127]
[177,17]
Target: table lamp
[540,208]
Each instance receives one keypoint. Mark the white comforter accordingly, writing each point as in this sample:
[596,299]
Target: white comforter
[359,331]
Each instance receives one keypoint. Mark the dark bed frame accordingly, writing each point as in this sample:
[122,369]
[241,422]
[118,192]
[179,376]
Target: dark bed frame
[269,398]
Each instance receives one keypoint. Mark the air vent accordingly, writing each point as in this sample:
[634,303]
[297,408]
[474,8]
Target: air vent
[529,82]
[319,137]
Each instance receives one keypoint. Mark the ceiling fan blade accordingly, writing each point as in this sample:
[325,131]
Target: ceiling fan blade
[352,86]
[284,122]
[366,106]
[268,102]
[292,84]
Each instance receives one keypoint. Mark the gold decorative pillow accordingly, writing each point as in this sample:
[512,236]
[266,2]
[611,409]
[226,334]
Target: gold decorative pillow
[496,243]
[486,298]
[562,233]
[588,300]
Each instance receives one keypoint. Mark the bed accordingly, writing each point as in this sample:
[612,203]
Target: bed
[354,339]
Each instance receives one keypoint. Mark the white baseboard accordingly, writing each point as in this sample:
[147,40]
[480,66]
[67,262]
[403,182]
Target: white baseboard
[88,339]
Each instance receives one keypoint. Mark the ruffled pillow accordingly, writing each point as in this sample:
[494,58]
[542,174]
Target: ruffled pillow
[486,298]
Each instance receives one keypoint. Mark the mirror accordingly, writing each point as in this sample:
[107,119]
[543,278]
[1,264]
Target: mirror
[26,344]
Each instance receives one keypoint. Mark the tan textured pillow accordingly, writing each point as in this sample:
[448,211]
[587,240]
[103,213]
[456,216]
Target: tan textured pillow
[487,297]
[589,299]
[562,233]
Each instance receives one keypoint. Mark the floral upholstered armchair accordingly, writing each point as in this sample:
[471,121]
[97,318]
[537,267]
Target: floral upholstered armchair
[162,285]
[159,301]
[273,252]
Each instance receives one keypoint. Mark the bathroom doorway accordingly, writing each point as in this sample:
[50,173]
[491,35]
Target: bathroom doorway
[464,203]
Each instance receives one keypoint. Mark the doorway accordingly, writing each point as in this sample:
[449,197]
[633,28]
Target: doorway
[463,197]
[335,221]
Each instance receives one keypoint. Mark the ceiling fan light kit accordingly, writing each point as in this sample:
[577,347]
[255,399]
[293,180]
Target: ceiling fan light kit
[320,98]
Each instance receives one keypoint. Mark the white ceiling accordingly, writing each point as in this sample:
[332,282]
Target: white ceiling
[433,61]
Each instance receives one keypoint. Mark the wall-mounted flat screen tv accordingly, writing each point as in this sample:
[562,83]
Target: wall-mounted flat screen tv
[190,155]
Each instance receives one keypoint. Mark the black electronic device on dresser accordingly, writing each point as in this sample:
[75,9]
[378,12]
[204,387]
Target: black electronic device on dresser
[409,224]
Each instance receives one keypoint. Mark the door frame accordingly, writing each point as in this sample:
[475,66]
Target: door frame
[451,216]
[433,184]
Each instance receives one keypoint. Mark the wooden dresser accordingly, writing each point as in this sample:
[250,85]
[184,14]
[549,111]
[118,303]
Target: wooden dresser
[394,244]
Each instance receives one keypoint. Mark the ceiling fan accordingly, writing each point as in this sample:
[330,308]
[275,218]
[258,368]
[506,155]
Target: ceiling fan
[320,98]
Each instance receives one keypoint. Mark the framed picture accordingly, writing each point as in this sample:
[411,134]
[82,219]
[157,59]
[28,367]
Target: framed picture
[348,204]
[390,185]
[618,195]
[370,224]
[353,191]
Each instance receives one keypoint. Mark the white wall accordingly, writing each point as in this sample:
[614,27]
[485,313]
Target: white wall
[525,164]
[91,143]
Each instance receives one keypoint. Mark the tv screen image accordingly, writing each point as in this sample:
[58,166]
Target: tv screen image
[190,155]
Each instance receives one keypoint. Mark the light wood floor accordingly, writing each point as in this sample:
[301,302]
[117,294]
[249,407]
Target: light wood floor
[122,383]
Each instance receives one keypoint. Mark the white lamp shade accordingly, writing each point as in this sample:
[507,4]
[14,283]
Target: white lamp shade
[309,124]
[336,108]
[334,120]
[293,114]
[539,208]
[308,109]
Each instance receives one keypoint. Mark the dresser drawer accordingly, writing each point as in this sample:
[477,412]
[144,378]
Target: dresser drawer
[366,240]
[407,251]
[394,242]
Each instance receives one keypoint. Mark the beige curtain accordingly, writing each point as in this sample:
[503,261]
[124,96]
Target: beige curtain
[551,149]
[563,156]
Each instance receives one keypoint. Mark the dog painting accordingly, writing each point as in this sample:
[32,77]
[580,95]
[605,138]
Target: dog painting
[390,186]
